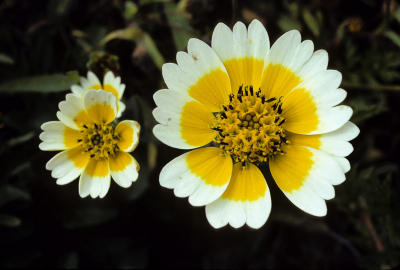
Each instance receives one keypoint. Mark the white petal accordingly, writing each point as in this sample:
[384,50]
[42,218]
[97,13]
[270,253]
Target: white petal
[245,201]
[63,168]
[127,171]
[177,122]
[202,175]
[285,48]
[52,136]
[69,109]
[107,102]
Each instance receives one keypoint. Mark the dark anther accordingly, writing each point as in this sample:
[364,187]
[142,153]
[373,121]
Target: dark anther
[96,126]
[223,143]
[271,99]
[251,90]
[240,98]
[231,97]
[79,140]
[263,99]
[223,115]
[230,107]
[85,126]
[92,155]
[90,148]
[225,109]
[108,152]
[243,164]
[245,91]
[217,129]
[274,106]
[280,108]
[240,91]
[96,139]
[283,121]
[258,92]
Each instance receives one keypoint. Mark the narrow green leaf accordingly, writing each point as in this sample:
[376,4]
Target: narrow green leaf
[180,26]
[9,221]
[135,34]
[5,59]
[396,15]
[41,84]
[132,33]
[286,23]
[153,51]
[393,37]
[311,22]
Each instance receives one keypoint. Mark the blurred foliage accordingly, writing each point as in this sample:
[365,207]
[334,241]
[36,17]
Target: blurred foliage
[45,46]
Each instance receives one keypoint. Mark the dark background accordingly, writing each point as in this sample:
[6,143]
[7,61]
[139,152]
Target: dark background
[46,45]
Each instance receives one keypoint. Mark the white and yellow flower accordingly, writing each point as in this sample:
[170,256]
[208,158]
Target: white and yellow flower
[110,84]
[250,104]
[93,147]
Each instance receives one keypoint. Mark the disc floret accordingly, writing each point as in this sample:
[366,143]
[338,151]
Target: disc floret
[250,126]
[99,140]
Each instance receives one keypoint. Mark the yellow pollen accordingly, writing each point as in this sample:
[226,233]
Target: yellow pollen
[99,140]
[250,127]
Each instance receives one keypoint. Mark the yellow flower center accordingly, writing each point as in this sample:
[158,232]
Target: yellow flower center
[250,127]
[99,140]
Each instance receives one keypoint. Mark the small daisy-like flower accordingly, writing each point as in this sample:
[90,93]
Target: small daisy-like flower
[94,147]
[110,84]
[249,105]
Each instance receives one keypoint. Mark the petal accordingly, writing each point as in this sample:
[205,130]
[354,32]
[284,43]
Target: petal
[66,166]
[91,82]
[101,106]
[124,169]
[318,62]
[288,54]
[305,176]
[200,74]
[128,132]
[72,113]
[184,123]
[95,179]
[306,112]
[242,52]
[77,90]
[121,108]
[343,163]
[247,200]
[335,143]
[202,175]
[113,85]
[57,136]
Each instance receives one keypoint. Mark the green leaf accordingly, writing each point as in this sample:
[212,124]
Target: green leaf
[311,22]
[130,10]
[152,49]
[135,34]
[9,221]
[180,26]
[286,23]
[396,15]
[41,84]
[393,37]
[5,59]
[132,33]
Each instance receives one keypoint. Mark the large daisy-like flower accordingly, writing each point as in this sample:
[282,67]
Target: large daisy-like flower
[94,147]
[250,104]
[110,84]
